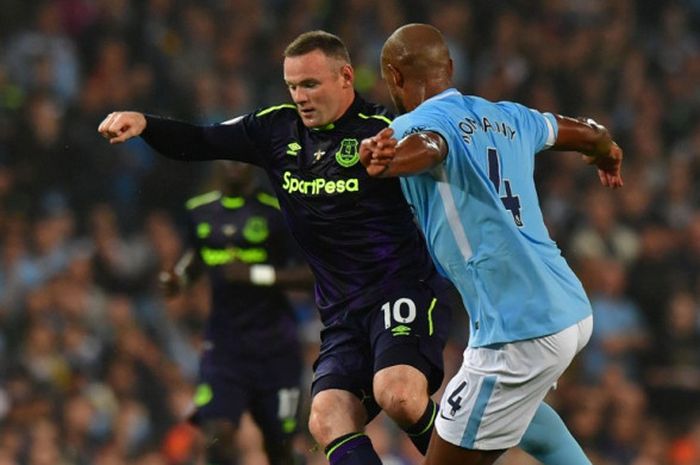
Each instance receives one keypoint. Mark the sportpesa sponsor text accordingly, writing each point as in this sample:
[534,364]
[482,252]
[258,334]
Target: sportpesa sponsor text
[318,186]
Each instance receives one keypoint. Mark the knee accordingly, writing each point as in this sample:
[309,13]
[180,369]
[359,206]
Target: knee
[333,414]
[402,394]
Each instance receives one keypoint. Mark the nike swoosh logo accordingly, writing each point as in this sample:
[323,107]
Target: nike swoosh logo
[445,418]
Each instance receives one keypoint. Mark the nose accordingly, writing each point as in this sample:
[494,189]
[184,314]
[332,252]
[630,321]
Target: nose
[298,95]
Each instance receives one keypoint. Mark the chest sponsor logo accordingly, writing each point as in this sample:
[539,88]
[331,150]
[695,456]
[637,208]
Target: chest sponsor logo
[347,155]
[318,186]
[217,257]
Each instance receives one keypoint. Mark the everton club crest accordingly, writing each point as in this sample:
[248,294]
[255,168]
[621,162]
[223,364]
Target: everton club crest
[347,155]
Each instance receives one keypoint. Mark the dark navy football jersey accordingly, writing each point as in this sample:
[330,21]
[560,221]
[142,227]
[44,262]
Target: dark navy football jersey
[357,232]
[248,320]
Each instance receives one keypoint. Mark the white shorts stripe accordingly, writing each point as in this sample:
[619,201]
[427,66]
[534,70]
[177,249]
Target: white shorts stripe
[477,414]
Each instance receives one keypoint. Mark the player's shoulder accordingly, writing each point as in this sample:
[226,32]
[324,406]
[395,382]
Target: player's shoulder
[423,118]
[202,200]
[267,199]
[369,111]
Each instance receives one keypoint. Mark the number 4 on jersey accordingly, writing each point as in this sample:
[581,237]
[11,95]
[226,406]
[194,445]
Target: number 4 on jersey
[510,201]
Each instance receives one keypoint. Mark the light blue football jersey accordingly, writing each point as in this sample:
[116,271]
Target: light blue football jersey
[480,214]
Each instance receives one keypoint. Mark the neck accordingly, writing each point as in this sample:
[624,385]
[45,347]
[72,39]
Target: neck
[436,87]
[242,190]
[347,102]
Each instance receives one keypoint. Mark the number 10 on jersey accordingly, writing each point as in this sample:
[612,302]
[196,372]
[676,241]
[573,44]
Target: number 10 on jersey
[403,311]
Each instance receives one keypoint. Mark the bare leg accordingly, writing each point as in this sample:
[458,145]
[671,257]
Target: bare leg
[441,452]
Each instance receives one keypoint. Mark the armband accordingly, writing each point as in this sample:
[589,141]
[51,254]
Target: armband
[262,275]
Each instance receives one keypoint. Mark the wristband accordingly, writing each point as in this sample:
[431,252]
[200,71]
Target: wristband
[262,275]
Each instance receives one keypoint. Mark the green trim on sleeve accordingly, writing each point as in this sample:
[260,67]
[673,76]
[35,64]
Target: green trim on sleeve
[269,200]
[275,108]
[379,117]
[203,199]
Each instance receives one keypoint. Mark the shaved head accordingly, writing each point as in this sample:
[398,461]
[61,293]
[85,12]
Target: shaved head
[415,58]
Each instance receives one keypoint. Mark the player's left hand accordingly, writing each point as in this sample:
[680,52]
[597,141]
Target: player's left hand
[609,167]
[377,152]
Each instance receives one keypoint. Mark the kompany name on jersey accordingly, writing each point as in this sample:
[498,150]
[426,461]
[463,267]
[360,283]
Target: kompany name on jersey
[468,126]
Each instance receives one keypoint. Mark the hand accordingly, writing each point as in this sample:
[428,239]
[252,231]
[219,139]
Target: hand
[377,152]
[609,167]
[170,284]
[122,125]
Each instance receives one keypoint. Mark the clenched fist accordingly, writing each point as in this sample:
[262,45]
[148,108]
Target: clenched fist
[120,126]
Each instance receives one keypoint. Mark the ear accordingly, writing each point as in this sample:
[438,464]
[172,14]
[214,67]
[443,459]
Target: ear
[395,76]
[450,68]
[347,74]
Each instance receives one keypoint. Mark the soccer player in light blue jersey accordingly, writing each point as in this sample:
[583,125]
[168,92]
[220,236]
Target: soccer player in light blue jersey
[467,168]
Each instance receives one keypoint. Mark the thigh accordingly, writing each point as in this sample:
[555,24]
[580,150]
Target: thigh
[411,326]
[492,399]
[345,362]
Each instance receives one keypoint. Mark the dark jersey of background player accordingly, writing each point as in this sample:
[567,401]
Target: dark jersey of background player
[251,359]
[356,232]
[246,322]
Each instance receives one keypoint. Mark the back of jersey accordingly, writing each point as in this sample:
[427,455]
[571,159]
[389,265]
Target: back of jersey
[480,213]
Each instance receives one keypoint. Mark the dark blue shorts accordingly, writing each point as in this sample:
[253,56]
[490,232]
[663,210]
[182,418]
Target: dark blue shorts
[268,389]
[405,327]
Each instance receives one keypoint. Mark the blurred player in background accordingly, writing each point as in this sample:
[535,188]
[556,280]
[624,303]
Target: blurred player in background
[251,359]
[467,167]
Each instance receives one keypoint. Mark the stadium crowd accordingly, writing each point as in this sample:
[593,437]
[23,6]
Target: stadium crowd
[97,368]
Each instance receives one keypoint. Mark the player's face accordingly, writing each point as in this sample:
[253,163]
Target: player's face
[321,87]
[236,176]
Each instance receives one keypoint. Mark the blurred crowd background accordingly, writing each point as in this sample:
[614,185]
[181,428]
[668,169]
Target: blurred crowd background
[97,368]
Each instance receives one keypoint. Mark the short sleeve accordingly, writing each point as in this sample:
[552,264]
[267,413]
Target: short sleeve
[540,128]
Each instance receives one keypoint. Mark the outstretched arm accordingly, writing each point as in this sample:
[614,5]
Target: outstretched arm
[183,141]
[595,143]
[384,156]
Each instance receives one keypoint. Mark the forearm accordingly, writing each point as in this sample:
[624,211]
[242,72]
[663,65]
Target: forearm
[584,136]
[176,139]
[416,154]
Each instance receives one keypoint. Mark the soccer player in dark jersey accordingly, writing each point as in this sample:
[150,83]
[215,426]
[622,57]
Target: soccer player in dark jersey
[384,308]
[251,358]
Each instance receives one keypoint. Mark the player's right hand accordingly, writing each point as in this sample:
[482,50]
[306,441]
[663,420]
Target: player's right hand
[120,126]
[377,152]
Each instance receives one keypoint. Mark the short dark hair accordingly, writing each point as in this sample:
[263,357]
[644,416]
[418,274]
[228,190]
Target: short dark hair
[329,44]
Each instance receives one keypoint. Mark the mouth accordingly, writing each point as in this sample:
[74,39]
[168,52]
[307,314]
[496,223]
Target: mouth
[306,112]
